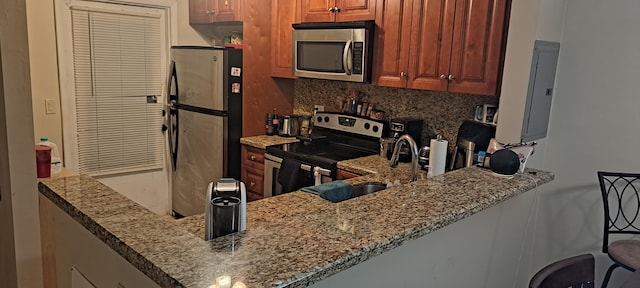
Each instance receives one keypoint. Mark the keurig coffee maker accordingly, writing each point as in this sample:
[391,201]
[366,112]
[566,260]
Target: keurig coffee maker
[407,125]
[226,208]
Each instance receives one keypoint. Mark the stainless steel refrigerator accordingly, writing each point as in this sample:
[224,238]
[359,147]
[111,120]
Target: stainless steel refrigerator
[205,122]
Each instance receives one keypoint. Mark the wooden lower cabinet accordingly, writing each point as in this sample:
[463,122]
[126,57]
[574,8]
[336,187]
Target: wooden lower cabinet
[343,174]
[253,172]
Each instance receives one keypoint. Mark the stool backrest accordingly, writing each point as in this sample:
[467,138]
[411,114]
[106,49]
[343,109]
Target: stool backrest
[574,272]
[621,199]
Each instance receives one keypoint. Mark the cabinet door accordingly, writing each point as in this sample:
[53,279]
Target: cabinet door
[431,33]
[393,39]
[227,10]
[283,14]
[317,10]
[477,49]
[199,11]
[355,10]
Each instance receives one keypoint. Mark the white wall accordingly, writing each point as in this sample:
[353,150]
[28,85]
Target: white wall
[593,126]
[530,20]
[17,165]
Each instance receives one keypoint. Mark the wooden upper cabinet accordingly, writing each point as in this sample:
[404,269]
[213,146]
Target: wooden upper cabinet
[478,46]
[443,45]
[393,39]
[212,11]
[283,14]
[430,52]
[337,10]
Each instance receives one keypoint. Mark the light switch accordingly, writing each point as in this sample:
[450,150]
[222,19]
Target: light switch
[50,106]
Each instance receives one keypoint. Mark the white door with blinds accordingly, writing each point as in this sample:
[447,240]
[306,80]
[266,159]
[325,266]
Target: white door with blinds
[114,60]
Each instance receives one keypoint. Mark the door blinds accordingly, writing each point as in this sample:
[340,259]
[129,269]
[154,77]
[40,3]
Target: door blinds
[117,60]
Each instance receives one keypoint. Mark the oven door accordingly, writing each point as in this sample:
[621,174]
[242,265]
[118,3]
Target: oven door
[272,168]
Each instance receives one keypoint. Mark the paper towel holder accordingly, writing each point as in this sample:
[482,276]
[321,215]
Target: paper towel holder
[424,154]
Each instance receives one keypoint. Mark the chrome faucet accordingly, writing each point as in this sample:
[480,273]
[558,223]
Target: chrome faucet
[414,155]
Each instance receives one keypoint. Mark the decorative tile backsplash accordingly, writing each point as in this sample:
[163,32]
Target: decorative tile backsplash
[442,112]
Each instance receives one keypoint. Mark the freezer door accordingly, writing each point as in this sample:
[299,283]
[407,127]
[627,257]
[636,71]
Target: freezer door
[201,159]
[200,77]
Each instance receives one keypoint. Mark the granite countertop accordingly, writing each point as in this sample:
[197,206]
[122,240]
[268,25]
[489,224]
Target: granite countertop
[292,240]
[262,141]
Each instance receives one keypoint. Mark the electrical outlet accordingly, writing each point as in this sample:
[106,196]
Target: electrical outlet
[50,106]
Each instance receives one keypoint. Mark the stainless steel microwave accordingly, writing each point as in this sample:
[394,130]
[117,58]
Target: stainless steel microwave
[333,51]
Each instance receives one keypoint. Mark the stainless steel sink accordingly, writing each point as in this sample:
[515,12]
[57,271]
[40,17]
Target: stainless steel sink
[366,188]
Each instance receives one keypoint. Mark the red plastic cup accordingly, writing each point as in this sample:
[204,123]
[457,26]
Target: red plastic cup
[43,161]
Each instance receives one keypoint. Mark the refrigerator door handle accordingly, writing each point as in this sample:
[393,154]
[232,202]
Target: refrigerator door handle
[173,113]
[201,110]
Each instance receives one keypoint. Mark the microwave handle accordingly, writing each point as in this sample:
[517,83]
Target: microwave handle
[346,59]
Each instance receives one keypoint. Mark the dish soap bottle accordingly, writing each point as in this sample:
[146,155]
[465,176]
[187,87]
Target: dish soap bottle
[56,161]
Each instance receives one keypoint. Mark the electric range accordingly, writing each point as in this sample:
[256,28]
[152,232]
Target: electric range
[335,137]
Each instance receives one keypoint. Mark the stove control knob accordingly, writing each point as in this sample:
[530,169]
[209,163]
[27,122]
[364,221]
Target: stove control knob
[319,119]
[375,128]
[326,119]
[367,126]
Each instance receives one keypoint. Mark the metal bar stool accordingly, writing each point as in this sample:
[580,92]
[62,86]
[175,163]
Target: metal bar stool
[621,199]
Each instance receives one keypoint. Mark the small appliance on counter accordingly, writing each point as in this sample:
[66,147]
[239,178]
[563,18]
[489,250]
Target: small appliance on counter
[289,125]
[487,113]
[473,137]
[226,208]
[401,126]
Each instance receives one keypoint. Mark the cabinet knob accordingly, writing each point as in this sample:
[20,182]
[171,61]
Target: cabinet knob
[443,77]
[253,158]
[451,77]
[336,9]
[332,9]
[252,184]
[402,74]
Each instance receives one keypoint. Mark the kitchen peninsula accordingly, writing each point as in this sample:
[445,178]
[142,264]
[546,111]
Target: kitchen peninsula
[292,240]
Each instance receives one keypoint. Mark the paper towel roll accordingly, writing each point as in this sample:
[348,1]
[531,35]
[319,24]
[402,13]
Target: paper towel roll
[437,157]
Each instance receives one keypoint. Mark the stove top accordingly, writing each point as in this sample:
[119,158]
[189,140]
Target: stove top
[336,137]
[321,153]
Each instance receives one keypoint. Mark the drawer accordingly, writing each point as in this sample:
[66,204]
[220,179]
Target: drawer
[252,157]
[254,181]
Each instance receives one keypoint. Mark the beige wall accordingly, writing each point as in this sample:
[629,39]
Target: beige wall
[17,165]
[44,70]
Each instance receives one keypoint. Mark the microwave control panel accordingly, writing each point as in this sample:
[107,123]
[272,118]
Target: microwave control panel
[357,52]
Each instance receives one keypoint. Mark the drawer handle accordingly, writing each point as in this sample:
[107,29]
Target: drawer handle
[253,158]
